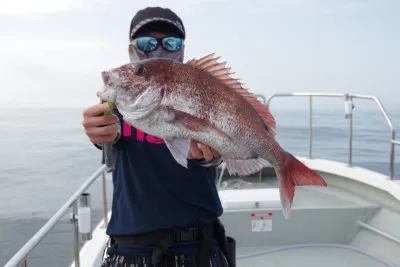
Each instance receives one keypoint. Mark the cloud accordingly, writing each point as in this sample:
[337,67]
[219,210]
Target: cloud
[312,6]
[180,5]
[32,7]
[297,47]
[9,43]
[25,7]
[181,2]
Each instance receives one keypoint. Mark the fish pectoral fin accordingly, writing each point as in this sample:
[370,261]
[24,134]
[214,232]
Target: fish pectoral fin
[192,123]
[180,149]
[244,167]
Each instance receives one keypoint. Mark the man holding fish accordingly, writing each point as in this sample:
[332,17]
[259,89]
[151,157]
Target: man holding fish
[163,195]
[157,201]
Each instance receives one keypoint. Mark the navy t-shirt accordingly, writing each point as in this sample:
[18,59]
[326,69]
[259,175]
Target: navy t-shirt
[153,192]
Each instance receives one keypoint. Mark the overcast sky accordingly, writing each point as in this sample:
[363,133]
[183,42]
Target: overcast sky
[52,51]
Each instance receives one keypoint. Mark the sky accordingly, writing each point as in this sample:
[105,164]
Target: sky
[52,52]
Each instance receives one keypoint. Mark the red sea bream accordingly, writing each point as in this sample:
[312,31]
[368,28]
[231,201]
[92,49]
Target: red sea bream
[200,100]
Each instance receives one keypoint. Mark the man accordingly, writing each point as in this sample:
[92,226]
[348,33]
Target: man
[162,213]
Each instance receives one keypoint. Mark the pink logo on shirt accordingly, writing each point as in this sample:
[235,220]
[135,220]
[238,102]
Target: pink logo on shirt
[140,136]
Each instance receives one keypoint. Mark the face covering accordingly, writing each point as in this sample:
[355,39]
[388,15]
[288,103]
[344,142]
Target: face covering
[135,54]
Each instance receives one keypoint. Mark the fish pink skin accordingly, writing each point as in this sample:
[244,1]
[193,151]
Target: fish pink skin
[199,100]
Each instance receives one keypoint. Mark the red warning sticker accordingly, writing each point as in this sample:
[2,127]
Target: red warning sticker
[261,222]
[266,214]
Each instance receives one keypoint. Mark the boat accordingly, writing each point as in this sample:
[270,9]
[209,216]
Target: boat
[353,222]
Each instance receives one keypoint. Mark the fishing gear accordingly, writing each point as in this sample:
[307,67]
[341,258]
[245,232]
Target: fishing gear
[107,147]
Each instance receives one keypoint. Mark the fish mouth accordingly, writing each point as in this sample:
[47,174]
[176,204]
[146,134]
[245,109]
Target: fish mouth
[109,95]
[110,81]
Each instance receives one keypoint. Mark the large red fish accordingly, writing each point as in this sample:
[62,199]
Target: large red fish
[199,100]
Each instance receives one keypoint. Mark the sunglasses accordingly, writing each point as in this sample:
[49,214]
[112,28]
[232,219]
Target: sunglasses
[169,43]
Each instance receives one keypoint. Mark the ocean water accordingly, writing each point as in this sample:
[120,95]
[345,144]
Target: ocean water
[46,156]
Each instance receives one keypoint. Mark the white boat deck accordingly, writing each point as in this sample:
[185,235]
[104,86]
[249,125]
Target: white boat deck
[309,255]
[325,227]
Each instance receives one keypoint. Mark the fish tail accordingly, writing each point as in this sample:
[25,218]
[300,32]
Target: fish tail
[290,173]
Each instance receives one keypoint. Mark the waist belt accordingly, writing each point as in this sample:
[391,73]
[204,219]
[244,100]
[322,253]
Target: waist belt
[177,236]
[164,240]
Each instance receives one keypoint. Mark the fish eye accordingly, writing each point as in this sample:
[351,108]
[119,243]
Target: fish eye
[139,69]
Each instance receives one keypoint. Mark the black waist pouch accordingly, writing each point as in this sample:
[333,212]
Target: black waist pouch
[227,244]
[231,250]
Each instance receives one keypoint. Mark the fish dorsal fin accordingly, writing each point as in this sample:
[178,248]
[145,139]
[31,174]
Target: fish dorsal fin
[219,70]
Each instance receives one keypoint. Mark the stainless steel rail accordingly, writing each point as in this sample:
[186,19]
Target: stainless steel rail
[348,100]
[20,258]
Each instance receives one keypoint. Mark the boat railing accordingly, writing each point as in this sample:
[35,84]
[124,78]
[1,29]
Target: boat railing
[348,112]
[80,219]
[80,204]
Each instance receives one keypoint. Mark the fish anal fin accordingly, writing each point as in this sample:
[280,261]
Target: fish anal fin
[243,167]
[210,64]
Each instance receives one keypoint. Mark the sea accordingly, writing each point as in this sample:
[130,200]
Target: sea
[46,156]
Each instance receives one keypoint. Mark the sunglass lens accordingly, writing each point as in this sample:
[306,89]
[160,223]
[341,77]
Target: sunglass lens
[172,43]
[147,44]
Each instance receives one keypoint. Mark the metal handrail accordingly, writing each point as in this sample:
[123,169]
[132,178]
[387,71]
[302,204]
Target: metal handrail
[348,115]
[20,258]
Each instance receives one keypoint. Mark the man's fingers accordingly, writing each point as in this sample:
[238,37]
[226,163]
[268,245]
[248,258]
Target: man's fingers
[215,153]
[199,151]
[96,110]
[194,150]
[103,139]
[207,153]
[99,121]
[102,131]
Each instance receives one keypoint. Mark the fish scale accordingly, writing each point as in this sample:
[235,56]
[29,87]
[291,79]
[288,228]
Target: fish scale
[226,112]
[199,100]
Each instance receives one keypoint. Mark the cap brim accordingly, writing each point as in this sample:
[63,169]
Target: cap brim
[177,26]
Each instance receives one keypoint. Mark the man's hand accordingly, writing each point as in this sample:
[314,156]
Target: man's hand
[99,128]
[201,151]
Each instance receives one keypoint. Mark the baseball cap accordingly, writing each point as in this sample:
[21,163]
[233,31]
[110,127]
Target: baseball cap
[162,18]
